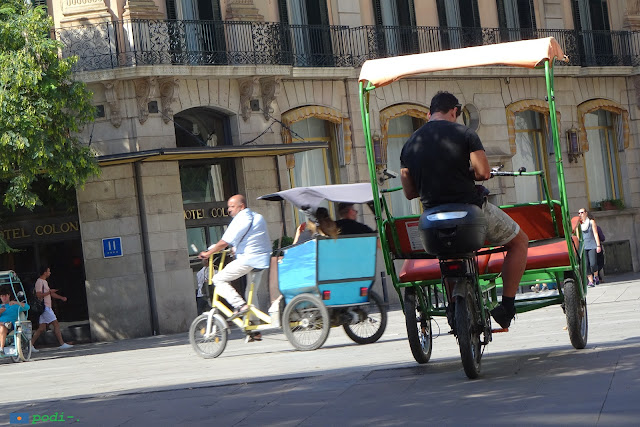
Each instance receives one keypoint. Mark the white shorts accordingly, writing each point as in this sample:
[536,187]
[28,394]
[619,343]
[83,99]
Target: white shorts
[47,316]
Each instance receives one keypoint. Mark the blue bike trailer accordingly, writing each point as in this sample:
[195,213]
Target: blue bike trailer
[340,271]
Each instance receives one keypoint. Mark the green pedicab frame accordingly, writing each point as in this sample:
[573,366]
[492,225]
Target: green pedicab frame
[383,72]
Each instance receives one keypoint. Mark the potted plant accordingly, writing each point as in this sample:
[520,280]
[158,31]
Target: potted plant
[284,241]
[611,204]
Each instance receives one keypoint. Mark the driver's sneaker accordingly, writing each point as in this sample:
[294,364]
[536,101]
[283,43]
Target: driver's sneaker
[503,316]
[65,346]
[34,350]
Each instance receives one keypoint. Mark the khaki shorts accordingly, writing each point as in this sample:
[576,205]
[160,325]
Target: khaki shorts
[501,228]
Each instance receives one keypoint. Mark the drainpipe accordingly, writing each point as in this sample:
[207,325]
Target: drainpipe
[284,222]
[353,151]
[146,259]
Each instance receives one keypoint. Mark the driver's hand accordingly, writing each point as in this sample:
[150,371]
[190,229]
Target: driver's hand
[203,255]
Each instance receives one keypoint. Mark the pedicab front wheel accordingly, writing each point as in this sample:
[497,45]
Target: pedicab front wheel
[208,346]
[372,322]
[419,330]
[23,347]
[305,322]
[576,311]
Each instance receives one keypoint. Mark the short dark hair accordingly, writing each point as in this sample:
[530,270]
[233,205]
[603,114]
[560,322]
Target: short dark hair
[443,102]
[43,270]
[5,290]
[343,208]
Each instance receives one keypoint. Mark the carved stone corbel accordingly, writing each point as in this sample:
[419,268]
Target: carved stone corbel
[168,90]
[270,89]
[248,87]
[145,90]
[112,94]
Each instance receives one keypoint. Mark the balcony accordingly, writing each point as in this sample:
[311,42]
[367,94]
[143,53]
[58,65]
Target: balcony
[169,42]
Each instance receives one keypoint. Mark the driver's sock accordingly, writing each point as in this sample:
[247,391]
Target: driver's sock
[509,304]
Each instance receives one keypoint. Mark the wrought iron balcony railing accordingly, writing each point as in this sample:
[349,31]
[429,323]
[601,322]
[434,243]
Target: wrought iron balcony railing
[153,42]
[171,42]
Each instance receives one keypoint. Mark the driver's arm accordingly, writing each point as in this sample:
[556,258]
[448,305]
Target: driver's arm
[480,165]
[408,187]
[213,249]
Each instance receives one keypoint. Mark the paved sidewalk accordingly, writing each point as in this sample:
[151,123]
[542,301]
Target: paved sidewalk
[531,376]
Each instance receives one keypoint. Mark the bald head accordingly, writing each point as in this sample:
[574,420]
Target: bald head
[235,204]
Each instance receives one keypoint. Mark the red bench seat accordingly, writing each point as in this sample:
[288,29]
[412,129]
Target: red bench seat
[535,220]
[542,256]
[415,270]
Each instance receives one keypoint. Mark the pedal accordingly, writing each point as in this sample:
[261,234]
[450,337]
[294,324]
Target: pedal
[496,331]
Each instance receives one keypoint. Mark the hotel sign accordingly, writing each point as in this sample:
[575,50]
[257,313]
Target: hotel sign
[40,230]
[206,213]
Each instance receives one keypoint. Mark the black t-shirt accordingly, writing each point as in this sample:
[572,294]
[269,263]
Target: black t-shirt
[349,226]
[437,156]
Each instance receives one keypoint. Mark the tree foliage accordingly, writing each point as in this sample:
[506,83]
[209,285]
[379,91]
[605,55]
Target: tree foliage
[42,109]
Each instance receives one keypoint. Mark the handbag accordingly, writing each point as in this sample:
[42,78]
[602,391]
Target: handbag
[37,306]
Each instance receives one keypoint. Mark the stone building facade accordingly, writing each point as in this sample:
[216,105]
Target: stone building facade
[154,100]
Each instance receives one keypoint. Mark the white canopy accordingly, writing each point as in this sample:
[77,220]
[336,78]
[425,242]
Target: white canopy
[314,196]
[525,53]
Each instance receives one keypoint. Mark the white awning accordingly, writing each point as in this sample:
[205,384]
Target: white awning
[314,196]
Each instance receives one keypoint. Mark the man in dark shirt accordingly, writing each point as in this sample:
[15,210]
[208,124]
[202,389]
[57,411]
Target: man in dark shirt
[440,163]
[347,222]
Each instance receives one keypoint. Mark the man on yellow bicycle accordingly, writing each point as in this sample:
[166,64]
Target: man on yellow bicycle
[249,236]
[440,163]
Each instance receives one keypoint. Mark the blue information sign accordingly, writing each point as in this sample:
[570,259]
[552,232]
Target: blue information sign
[111,247]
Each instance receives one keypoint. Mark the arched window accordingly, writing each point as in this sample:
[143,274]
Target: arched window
[314,167]
[601,162]
[529,131]
[532,152]
[206,184]
[400,129]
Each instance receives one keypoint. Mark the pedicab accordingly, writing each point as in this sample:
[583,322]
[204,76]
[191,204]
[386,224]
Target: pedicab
[19,339]
[324,283]
[457,275]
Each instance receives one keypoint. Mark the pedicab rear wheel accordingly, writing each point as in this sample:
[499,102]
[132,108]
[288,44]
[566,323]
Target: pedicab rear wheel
[305,322]
[468,334]
[211,346]
[373,321]
[419,330]
[23,347]
[575,309]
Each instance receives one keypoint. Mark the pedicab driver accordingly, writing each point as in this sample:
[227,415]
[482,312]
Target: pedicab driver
[440,163]
[248,234]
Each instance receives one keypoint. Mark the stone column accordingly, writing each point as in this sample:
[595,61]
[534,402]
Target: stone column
[242,10]
[117,297]
[172,278]
[632,15]
[240,36]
